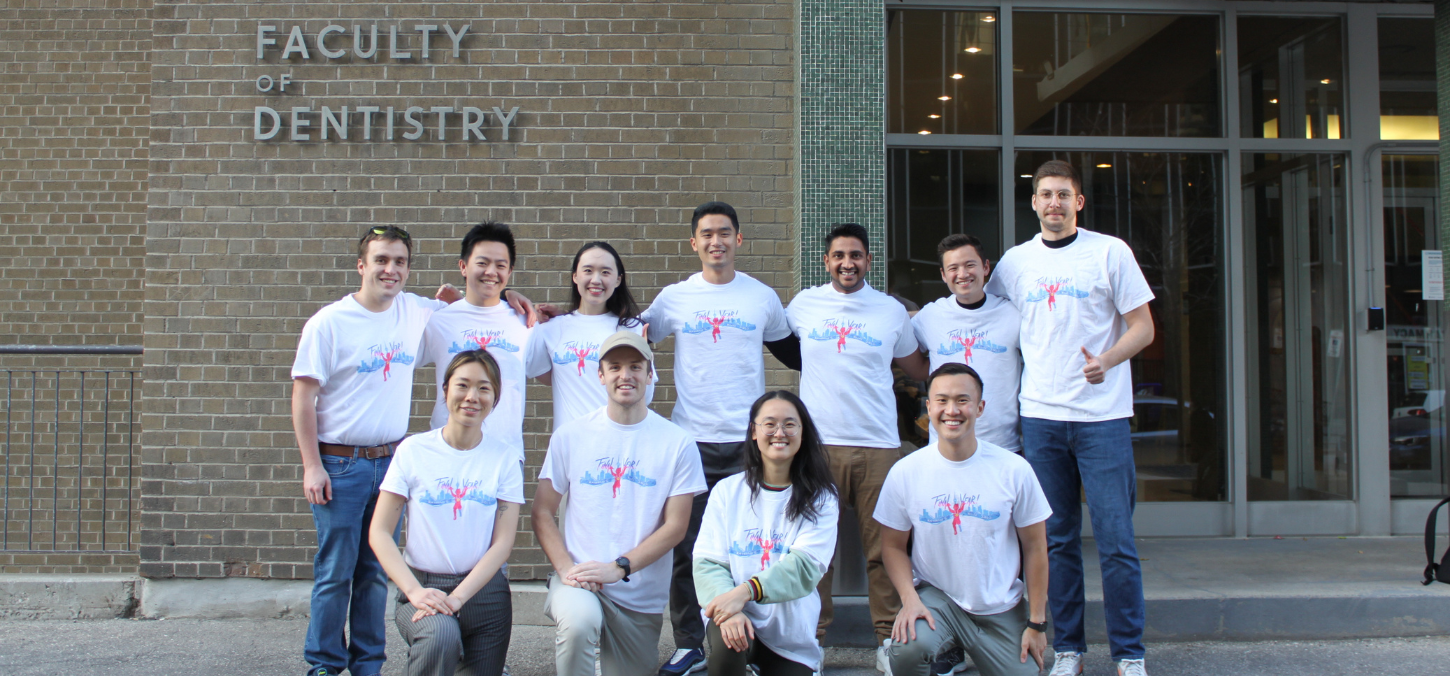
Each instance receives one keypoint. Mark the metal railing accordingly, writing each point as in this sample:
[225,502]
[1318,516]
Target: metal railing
[71,481]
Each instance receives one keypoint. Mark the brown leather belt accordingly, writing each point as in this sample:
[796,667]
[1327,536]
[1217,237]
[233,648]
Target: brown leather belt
[369,452]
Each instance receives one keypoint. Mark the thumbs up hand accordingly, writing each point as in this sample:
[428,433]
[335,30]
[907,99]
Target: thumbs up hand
[1093,369]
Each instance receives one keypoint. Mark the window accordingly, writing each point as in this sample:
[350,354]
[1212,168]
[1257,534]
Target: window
[943,72]
[1291,77]
[1407,80]
[934,193]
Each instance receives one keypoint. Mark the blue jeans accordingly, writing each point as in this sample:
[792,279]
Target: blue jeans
[349,585]
[1098,456]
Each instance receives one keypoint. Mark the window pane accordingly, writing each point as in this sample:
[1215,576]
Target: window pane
[1407,80]
[1115,74]
[1295,232]
[1415,328]
[941,72]
[1291,77]
[1168,208]
[932,194]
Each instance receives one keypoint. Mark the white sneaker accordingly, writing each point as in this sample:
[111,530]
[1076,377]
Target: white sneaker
[1132,668]
[1066,664]
[883,661]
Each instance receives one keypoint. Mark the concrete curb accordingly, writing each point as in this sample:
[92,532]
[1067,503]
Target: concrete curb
[67,597]
[225,598]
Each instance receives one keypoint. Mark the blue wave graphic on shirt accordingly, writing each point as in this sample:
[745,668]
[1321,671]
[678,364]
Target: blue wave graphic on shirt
[817,334]
[560,358]
[943,516]
[751,548]
[946,350]
[604,477]
[499,344]
[443,498]
[378,363]
[702,327]
[1070,291]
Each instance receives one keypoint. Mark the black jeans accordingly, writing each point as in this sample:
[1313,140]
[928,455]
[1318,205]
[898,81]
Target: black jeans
[727,662]
[720,461]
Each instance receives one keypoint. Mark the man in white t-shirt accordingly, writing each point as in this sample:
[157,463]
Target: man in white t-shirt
[964,504]
[1084,305]
[631,477]
[720,317]
[850,334]
[351,391]
[483,321]
[978,329]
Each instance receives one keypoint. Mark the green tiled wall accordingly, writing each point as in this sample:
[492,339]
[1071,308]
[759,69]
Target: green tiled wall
[842,133]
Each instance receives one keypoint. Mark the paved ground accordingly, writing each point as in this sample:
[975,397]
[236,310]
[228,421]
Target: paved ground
[266,647]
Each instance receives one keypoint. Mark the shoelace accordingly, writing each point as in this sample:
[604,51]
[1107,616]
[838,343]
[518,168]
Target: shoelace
[1132,668]
[1066,664]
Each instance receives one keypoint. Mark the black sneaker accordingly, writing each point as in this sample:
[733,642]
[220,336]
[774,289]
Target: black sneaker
[949,662]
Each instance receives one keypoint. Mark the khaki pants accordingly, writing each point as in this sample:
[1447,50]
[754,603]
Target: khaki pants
[859,473]
[628,641]
[994,642]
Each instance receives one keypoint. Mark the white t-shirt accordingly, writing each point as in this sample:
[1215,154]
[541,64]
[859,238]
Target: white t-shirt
[719,369]
[568,346]
[847,343]
[1071,298]
[453,497]
[966,515]
[748,536]
[986,340]
[461,327]
[364,361]
[618,478]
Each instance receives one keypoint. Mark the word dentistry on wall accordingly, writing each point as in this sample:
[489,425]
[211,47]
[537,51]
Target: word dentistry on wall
[335,43]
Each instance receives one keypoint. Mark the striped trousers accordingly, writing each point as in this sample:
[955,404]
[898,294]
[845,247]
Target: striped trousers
[477,636]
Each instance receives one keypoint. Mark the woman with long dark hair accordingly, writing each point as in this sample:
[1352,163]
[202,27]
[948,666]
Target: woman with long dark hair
[564,351]
[766,538]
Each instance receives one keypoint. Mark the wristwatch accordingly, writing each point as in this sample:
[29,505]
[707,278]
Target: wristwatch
[1038,626]
[623,563]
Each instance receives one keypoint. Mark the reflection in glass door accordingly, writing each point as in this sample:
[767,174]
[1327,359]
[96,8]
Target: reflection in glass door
[1415,330]
[1295,231]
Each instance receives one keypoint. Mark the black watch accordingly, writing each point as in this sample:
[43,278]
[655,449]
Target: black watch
[623,563]
[1038,626]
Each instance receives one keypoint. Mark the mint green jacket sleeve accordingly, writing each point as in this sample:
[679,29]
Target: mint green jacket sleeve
[712,578]
[790,578]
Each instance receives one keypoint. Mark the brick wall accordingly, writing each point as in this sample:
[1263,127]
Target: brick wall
[75,78]
[630,115]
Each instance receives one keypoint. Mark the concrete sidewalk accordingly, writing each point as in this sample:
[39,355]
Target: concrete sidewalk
[1197,589]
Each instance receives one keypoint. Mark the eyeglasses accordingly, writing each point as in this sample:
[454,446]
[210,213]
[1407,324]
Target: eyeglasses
[390,230]
[790,427]
[1047,195]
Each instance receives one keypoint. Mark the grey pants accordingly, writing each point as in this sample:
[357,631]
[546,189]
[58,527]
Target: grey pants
[478,634]
[994,642]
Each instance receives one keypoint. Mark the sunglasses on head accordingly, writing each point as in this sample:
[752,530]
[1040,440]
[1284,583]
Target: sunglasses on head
[390,230]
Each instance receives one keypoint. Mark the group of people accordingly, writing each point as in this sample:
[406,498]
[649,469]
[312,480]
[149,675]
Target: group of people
[727,513]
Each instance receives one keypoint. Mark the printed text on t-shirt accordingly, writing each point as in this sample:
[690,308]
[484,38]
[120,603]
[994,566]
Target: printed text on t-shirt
[953,507]
[612,471]
[966,340]
[715,320]
[1049,288]
[383,357]
[757,543]
[839,329]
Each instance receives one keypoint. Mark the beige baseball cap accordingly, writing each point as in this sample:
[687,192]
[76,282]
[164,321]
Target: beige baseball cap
[626,338]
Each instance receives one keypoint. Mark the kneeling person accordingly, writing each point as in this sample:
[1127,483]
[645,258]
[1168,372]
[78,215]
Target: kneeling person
[631,477]
[463,489]
[967,503]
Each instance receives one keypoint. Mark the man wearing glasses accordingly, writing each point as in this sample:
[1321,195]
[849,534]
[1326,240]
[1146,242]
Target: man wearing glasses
[352,386]
[1084,306]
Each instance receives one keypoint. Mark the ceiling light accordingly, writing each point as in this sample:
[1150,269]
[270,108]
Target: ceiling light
[957,76]
[1105,165]
[943,98]
[923,132]
[1026,176]
[973,50]
[1324,81]
[1273,100]
[934,116]
[989,18]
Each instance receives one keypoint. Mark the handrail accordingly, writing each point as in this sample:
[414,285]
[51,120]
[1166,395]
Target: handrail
[71,349]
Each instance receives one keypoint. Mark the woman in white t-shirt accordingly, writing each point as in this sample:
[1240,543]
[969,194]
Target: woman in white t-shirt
[564,351]
[462,488]
[765,540]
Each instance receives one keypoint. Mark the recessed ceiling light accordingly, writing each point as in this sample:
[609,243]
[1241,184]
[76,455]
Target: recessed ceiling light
[934,116]
[1026,175]
[1324,81]
[943,98]
[989,18]
[957,76]
[923,132]
[1105,165]
[1273,100]
[973,50]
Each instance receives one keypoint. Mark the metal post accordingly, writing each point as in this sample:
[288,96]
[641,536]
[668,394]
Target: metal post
[105,462]
[130,452]
[80,456]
